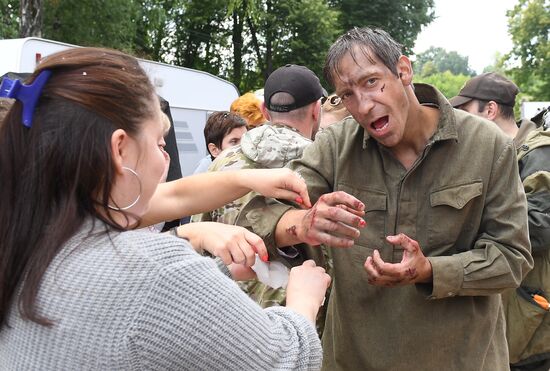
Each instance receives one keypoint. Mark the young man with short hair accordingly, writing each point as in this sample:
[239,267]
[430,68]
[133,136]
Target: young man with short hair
[222,130]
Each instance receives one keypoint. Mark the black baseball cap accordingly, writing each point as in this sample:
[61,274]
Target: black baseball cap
[487,86]
[298,81]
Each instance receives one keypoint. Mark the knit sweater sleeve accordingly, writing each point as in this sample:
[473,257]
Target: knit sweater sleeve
[195,318]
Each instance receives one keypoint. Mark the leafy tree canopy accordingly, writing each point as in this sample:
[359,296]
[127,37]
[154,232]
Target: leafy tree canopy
[438,60]
[402,19]
[91,22]
[447,82]
[9,19]
[240,40]
[529,60]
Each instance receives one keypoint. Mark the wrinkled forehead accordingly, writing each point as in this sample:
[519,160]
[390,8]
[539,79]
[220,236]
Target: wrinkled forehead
[352,65]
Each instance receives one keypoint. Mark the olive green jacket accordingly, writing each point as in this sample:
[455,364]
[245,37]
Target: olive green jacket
[528,324]
[462,201]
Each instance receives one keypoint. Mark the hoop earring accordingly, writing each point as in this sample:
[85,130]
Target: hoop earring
[116,208]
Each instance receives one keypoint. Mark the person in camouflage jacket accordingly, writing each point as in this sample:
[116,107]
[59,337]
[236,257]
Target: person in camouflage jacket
[268,146]
[526,308]
[292,105]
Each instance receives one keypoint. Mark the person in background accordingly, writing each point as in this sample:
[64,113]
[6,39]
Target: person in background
[249,107]
[424,213]
[81,160]
[222,130]
[332,111]
[527,309]
[292,103]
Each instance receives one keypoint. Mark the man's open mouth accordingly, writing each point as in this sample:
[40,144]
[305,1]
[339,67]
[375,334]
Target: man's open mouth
[380,124]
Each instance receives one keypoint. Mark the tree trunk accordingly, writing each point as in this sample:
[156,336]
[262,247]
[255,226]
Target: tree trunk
[31,18]
[237,38]
[255,43]
[268,44]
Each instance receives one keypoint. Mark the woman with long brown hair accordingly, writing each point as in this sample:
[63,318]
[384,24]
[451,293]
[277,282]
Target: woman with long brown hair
[81,156]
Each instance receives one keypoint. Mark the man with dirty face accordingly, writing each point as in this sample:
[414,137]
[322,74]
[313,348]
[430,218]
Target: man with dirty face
[424,214]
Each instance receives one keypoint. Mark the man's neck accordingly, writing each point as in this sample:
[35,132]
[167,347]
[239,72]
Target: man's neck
[421,125]
[509,127]
[302,128]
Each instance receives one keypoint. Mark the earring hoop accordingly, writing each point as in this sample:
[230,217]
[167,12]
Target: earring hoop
[116,208]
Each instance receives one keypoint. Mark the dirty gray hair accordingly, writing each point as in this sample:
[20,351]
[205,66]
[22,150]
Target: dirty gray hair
[373,43]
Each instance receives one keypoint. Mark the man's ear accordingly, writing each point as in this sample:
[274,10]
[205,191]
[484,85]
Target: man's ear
[213,149]
[265,112]
[492,110]
[119,148]
[404,70]
[316,114]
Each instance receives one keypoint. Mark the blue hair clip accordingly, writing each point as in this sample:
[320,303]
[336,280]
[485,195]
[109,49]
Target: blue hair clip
[26,94]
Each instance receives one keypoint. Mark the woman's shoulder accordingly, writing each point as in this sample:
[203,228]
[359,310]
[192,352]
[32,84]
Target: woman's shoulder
[157,248]
[96,241]
[138,255]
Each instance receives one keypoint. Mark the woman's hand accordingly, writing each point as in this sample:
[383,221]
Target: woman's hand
[230,243]
[277,183]
[196,194]
[307,285]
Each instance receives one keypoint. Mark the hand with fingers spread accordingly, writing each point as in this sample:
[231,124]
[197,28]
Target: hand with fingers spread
[334,220]
[413,268]
[230,243]
[307,285]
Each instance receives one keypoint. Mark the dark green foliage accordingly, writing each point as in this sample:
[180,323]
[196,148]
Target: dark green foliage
[240,40]
[91,22]
[9,19]
[308,29]
[403,19]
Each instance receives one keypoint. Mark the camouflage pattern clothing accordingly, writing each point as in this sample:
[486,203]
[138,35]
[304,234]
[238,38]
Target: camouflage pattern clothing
[268,146]
[527,322]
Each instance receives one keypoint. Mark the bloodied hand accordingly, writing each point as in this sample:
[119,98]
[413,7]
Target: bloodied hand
[334,220]
[413,268]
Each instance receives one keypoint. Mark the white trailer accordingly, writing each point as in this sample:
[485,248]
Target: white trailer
[192,94]
[531,109]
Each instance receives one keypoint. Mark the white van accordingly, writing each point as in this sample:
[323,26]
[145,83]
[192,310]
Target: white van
[531,109]
[192,94]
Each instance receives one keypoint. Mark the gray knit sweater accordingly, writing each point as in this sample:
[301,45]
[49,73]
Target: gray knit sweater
[143,301]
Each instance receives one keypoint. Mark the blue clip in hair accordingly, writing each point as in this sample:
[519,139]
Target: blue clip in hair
[27,94]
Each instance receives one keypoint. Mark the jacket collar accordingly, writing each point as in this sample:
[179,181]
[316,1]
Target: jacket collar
[525,127]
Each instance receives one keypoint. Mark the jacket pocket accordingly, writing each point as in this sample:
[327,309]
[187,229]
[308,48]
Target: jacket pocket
[449,214]
[373,235]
